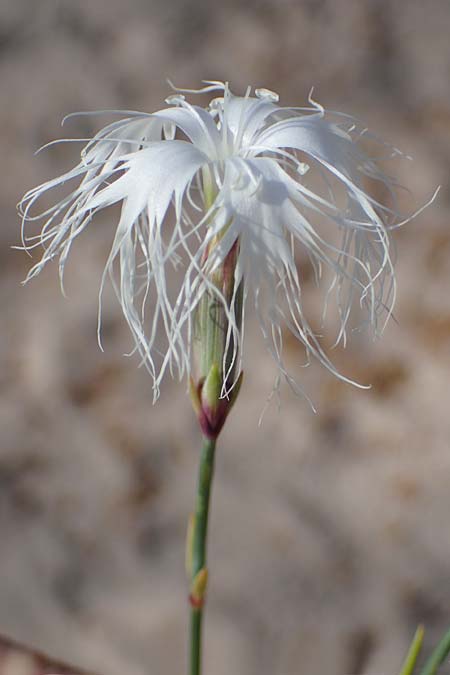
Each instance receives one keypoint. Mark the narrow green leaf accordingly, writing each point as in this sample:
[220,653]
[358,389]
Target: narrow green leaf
[438,657]
[413,652]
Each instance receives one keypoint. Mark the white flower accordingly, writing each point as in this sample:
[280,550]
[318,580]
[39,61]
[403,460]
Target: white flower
[245,172]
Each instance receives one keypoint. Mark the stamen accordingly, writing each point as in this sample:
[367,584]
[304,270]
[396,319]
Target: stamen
[264,93]
[175,99]
[216,103]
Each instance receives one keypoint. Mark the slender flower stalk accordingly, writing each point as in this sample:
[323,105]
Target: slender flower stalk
[213,394]
[198,570]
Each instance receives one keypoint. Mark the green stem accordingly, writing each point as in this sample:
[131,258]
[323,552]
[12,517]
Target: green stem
[198,551]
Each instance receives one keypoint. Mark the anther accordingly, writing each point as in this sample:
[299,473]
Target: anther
[175,99]
[216,103]
[267,94]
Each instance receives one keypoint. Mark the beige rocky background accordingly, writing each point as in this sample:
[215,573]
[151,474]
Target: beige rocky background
[330,532]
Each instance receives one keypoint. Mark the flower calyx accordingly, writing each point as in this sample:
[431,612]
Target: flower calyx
[210,405]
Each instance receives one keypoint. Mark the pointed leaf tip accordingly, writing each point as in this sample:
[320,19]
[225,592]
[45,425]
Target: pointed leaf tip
[198,587]
[413,652]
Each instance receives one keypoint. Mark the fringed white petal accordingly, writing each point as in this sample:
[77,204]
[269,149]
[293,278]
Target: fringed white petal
[256,201]
[147,183]
[197,124]
[238,179]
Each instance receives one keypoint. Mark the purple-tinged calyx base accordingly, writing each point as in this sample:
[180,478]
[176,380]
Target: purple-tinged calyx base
[211,409]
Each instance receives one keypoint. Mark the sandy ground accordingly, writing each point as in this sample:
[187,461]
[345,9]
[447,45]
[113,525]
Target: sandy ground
[330,532]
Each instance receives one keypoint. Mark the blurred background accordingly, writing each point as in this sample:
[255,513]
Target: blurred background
[330,532]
